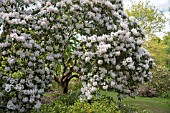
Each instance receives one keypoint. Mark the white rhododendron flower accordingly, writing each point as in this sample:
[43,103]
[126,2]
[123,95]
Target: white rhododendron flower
[10,105]
[105,87]
[94,83]
[8,87]
[129,59]
[100,62]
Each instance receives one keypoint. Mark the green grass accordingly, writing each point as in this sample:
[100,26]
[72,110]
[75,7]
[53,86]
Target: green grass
[155,105]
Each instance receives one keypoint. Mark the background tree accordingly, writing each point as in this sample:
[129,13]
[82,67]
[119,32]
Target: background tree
[157,48]
[166,40]
[150,18]
[160,52]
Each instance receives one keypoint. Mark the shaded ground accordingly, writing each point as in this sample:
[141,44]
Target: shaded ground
[155,105]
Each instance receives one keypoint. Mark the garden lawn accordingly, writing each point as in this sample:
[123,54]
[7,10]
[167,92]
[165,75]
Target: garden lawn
[155,105]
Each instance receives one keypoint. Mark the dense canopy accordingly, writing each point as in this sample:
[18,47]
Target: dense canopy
[92,38]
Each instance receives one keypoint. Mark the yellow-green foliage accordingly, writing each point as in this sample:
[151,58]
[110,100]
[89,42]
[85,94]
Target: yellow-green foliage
[150,18]
[99,105]
[161,73]
[157,48]
[103,106]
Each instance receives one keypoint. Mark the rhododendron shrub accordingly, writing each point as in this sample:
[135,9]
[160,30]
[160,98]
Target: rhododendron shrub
[91,39]
[25,64]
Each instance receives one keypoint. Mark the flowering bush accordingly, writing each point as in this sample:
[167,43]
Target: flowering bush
[92,38]
[25,66]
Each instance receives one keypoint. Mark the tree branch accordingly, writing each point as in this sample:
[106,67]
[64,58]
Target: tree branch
[71,69]
[65,64]
[68,73]
[68,61]
[57,79]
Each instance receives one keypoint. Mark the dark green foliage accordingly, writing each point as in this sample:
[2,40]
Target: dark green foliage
[161,80]
[167,42]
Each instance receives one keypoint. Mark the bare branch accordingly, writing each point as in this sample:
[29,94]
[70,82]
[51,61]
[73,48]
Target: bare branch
[68,61]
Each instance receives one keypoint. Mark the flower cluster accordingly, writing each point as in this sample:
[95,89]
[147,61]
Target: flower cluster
[113,59]
[110,66]
[24,74]
[95,38]
[24,70]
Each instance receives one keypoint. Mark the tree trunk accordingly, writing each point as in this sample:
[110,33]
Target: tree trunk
[64,83]
[65,87]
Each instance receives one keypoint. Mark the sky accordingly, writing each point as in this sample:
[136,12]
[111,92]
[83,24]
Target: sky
[162,5]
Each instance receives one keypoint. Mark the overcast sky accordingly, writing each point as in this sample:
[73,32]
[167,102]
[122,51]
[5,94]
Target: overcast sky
[162,5]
